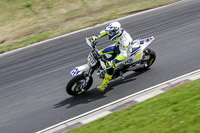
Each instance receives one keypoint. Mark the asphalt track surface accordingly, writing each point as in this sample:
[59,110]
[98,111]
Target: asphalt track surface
[32,81]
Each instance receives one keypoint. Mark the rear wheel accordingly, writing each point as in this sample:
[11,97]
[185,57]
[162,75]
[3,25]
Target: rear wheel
[148,59]
[76,85]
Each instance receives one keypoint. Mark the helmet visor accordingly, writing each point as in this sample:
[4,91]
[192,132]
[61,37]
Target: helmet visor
[112,33]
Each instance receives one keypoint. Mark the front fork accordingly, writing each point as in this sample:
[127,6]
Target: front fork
[87,77]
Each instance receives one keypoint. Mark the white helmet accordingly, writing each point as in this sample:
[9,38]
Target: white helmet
[114,30]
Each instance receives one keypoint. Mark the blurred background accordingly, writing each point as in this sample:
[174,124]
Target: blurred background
[25,22]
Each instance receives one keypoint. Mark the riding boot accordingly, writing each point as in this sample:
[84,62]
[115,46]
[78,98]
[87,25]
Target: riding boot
[106,80]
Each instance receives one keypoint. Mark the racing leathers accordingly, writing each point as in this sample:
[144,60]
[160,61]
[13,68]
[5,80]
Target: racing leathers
[121,49]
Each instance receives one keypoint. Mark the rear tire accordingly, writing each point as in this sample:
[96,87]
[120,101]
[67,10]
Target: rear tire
[151,59]
[73,86]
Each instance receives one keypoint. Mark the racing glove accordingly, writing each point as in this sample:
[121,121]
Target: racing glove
[93,40]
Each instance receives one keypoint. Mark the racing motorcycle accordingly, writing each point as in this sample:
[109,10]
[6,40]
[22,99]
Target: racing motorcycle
[140,59]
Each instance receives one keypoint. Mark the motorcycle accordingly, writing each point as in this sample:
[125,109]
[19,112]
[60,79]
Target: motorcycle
[140,59]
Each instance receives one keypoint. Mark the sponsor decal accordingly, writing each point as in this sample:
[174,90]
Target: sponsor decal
[136,52]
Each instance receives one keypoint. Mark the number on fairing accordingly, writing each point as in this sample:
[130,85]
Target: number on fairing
[91,59]
[74,72]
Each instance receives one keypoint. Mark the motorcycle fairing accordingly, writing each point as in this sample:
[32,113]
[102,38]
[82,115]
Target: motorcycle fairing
[79,70]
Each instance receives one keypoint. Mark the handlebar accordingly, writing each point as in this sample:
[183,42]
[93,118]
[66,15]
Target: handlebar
[92,46]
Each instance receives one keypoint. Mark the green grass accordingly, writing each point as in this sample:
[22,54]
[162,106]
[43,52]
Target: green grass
[176,111]
[21,20]
[25,42]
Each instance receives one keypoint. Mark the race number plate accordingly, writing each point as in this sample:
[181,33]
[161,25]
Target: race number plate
[92,60]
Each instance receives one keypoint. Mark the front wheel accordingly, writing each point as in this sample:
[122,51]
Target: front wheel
[78,85]
[148,59]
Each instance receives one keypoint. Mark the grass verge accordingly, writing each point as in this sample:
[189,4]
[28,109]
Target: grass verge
[25,22]
[176,111]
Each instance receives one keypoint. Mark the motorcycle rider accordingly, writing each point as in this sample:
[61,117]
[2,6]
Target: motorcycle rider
[120,49]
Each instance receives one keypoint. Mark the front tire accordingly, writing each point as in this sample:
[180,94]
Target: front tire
[74,85]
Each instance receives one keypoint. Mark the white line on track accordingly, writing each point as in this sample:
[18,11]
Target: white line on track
[117,101]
